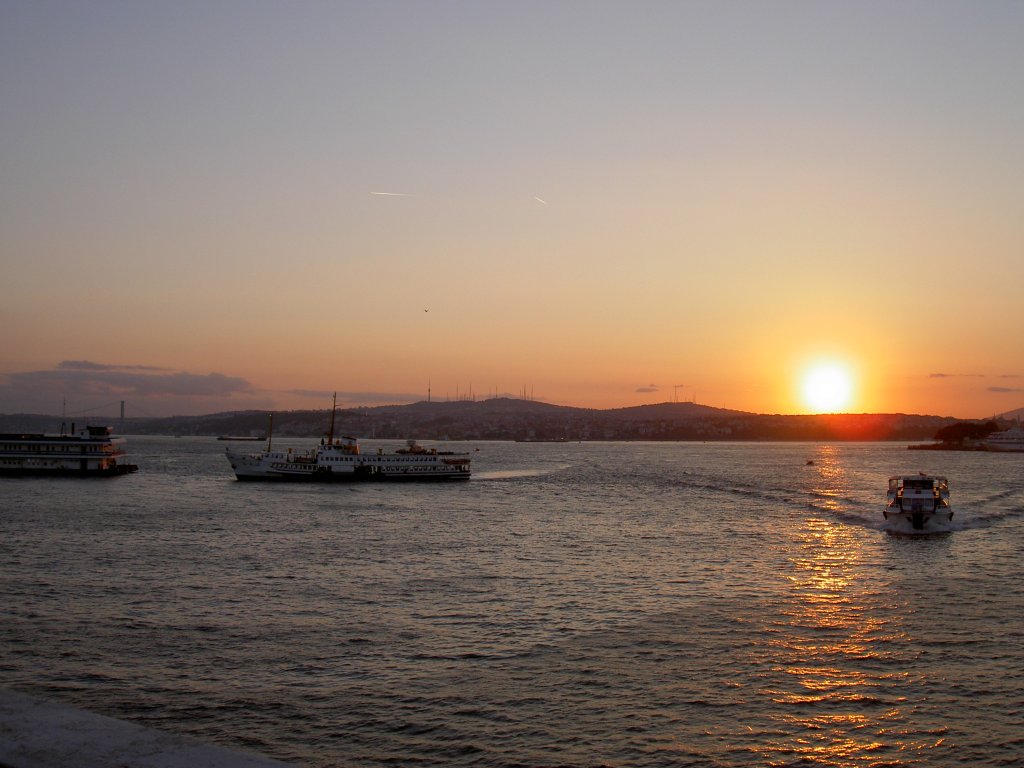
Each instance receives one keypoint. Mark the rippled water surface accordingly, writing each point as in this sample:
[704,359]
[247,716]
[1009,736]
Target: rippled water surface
[573,604]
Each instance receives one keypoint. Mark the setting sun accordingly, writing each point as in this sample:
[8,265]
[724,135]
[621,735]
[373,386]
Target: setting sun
[827,388]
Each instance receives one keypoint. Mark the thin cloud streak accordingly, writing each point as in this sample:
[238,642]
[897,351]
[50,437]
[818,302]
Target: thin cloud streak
[88,365]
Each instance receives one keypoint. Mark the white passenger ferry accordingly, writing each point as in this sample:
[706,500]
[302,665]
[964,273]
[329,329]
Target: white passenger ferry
[342,459]
[89,452]
[918,503]
[1010,441]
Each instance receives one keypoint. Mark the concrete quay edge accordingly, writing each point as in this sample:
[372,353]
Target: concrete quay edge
[36,733]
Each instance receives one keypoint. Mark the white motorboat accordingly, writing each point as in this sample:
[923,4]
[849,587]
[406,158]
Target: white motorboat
[918,503]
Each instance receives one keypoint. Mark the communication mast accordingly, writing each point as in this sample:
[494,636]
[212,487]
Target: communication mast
[677,387]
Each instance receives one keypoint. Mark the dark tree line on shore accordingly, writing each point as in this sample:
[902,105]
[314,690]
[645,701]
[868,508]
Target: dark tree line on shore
[966,430]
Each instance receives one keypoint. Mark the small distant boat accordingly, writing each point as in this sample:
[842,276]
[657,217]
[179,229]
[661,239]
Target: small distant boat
[1010,441]
[918,503]
[89,452]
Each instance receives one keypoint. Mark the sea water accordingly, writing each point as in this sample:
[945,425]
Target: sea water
[573,604]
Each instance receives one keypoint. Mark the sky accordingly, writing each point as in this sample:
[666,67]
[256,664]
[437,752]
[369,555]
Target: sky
[225,205]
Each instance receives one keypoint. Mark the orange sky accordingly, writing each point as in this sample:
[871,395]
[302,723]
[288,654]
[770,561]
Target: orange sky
[604,206]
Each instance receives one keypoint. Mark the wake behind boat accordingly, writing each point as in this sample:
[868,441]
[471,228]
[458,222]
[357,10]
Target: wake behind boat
[918,503]
[340,460]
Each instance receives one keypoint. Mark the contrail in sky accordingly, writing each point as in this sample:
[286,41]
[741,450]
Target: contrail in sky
[391,194]
[542,202]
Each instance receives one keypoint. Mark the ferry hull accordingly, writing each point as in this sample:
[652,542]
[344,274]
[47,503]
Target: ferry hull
[117,471]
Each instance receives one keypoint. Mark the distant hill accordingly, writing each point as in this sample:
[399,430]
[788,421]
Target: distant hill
[511,419]
[1012,415]
[673,411]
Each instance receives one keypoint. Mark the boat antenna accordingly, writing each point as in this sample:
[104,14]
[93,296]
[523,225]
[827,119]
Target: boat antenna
[334,407]
[270,430]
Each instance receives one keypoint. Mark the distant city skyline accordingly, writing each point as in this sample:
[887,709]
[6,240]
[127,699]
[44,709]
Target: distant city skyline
[792,207]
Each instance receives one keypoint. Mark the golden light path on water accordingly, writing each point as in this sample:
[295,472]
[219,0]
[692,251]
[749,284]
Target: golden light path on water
[829,652]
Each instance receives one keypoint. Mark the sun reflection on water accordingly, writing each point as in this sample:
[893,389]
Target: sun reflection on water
[832,477]
[834,682]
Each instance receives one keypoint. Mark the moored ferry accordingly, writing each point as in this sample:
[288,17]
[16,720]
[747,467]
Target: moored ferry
[89,452]
[1010,441]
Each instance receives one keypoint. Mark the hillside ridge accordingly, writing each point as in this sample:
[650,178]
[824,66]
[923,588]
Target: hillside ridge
[513,419]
